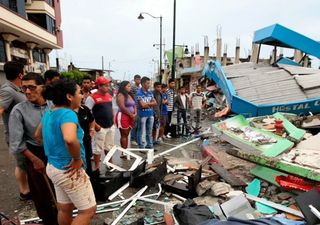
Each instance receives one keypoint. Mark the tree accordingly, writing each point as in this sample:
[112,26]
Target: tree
[75,75]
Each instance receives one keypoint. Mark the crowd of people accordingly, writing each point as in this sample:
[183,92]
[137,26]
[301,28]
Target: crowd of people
[55,127]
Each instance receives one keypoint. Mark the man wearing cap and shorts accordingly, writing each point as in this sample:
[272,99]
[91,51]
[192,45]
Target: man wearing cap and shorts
[100,104]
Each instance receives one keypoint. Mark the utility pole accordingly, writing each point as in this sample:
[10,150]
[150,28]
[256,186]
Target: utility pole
[102,64]
[173,69]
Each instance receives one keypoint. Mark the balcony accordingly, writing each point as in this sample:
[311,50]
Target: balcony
[40,7]
[10,22]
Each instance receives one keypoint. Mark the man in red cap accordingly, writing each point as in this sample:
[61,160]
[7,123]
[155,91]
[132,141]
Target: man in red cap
[100,104]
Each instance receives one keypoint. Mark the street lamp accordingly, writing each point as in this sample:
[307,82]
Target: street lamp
[140,17]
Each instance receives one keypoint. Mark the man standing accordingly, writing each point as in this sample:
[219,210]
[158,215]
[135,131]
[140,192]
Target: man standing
[134,89]
[146,102]
[136,85]
[157,111]
[24,120]
[86,86]
[197,102]
[182,103]
[10,95]
[164,110]
[171,97]
[51,76]
[100,103]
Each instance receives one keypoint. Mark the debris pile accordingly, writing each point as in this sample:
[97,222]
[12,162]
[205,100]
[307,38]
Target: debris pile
[281,185]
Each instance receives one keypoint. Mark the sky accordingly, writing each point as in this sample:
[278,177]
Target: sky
[110,28]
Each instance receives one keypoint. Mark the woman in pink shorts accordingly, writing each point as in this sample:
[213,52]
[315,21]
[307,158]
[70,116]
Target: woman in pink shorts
[127,112]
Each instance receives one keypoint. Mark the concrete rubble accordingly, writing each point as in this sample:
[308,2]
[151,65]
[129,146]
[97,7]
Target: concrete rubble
[157,185]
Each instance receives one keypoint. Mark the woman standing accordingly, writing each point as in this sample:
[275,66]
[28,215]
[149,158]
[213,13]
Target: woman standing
[127,112]
[62,138]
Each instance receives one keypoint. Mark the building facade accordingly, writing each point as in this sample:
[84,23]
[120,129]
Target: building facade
[29,31]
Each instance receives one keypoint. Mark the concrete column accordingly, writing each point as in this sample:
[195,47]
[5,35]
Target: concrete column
[297,55]
[8,38]
[273,56]
[206,55]
[47,51]
[254,53]
[219,49]
[305,61]
[192,60]
[224,61]
[31,46]
[7,49]
[237,56]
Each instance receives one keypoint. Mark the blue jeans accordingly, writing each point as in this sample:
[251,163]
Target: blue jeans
[145,130]
[134,130]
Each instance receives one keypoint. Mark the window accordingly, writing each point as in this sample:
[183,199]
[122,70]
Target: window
[51,2]
[43,20]
[17,6]
[38,55]
[2,51]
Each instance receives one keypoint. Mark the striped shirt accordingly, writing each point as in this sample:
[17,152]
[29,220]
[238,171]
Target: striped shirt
[171,95]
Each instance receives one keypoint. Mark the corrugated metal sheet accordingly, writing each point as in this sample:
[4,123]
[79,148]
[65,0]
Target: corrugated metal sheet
[308,81]
[263,84]
[298,70]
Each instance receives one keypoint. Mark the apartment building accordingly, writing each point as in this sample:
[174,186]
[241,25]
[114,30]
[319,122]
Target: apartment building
[29,31]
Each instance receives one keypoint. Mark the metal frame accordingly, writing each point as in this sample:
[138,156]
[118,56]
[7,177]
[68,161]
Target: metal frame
[117,148]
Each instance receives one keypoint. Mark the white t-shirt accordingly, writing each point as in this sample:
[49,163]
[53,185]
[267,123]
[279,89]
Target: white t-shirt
[197,99]
[183,99]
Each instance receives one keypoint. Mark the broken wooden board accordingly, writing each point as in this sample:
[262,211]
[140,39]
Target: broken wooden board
[276,163]
[294,133]
[267,174]
[239,121]
[227,176]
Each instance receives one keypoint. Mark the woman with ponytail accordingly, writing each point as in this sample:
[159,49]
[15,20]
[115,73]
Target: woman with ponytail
[127,112]
[62,136]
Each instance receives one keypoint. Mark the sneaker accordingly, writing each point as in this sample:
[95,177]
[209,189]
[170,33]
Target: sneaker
[25,197]
[134,143]
[169,136]
[156,142]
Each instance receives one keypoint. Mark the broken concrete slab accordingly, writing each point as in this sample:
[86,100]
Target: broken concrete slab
[204,186]
[220,188]
[238,207]
[206,200]
[306,153]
